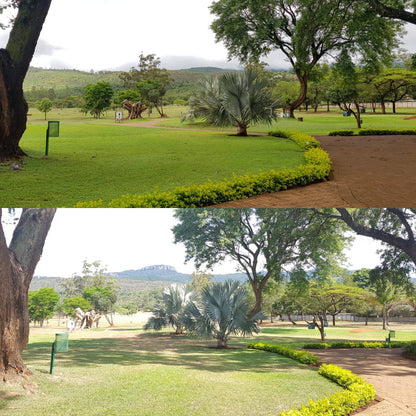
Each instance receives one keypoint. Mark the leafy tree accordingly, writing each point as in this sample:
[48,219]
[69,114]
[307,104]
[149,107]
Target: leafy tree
[200,279]
[18,262]
[102,300]
[131,95]
[150,79]
[97,98]
[42,304]
[174,300]
[44,106]
[234,99]
[272,291]
[344,91]
[321,301]
[304,31]
[70,304]
[14,64]
[220,312]
[261,242]
[389,287]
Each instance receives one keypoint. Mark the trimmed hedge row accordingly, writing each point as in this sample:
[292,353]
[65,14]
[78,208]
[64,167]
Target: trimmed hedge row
[304,357]
[357,391]
[316,169]
[373,132]
[351,344]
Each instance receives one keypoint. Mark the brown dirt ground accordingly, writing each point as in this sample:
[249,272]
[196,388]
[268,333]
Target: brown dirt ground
[393,376]
[367,171]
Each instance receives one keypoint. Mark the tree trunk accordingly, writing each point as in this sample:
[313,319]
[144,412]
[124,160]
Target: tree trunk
[242,129]
[222,343]
[17,265]
[14,63]
[333,320]
[384,318]
[383,106]
[303,80]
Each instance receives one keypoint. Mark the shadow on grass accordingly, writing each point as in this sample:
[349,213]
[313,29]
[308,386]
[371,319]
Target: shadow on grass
[7,398]
[160,349]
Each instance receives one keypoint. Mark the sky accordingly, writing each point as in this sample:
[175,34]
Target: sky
[124,239]
[111,34]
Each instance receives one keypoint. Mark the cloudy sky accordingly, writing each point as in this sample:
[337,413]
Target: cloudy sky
[124,239]
[111,34]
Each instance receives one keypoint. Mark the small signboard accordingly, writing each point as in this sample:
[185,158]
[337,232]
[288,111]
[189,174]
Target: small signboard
[53,127]
[119,116]
[52,131]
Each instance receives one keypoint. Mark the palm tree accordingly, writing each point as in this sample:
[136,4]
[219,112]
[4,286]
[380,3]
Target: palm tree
[174,300]
[220,312]
[234,99]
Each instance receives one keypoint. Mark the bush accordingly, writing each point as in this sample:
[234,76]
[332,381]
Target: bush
[410,348]
[304,357]
[381,132]
[316,169]
[357,393]
[341,133]
[351,344]
[303,140]
[316,346]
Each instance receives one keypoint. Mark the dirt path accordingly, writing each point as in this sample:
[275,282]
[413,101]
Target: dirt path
[393,376]
[367,172]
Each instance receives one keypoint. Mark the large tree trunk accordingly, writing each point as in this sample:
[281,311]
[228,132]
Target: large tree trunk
[14,63]
[17,265]
[303,80]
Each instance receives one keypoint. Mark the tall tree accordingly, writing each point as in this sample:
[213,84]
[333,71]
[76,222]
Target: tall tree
[304,31]
[14,63]
[42,304]
[18,262]
[262,242]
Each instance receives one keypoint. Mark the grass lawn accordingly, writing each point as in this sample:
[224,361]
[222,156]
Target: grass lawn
[116,372]
[93,160]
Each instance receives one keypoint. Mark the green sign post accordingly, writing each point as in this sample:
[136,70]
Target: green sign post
[60,345]
[52,131]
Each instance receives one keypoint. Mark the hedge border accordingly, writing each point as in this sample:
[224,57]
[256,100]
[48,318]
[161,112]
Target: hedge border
[316,169]
[374,132]
[357,344]
[357,392]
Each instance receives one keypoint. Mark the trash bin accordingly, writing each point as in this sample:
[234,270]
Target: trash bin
[392,334]
[300,118]
[61,342]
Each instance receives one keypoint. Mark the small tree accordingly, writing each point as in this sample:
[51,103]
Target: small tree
[234,99]
[171,311]
[220,312]
[42,304]
[97,98]
[102,300]
[200,279]
[44,106]
[70,304]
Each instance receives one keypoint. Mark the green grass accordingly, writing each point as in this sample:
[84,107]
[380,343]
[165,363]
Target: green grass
[92,160]
[160,374]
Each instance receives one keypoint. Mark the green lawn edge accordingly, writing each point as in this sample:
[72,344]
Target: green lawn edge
[316,169]
[357,392]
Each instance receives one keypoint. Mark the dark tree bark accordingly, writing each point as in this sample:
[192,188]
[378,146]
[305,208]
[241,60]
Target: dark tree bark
[14,63]
[17,265]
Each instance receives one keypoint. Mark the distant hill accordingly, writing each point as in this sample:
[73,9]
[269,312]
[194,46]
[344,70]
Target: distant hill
[209,69]
[145,278]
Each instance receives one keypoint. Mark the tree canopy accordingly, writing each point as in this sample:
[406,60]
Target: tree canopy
[304,31]
[263,243]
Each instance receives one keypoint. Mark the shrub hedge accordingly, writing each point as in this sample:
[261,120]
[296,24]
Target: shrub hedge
[357,391]
[351,344]
[316,169]
[373,132]
[304,357]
